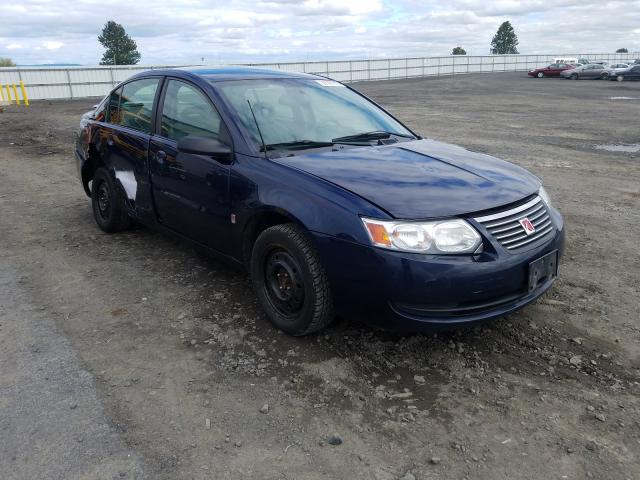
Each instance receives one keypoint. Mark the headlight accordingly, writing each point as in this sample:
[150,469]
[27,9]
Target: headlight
[544,196]
[438,237]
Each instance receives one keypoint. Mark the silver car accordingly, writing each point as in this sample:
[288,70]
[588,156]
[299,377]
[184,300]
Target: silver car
[592,71]
[614,69]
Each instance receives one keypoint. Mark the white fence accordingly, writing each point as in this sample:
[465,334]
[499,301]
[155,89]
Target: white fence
[80,82]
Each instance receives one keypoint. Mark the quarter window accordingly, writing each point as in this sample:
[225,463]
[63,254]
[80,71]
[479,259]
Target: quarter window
[187,111]
[136,104]
[114,106]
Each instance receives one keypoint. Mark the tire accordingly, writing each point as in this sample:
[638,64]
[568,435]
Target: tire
[573,77]
[540,75]
[291,284]
[604,76]
[107,202]
[620,78]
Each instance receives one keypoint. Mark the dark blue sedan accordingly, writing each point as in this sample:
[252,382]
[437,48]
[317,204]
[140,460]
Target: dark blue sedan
[333,205]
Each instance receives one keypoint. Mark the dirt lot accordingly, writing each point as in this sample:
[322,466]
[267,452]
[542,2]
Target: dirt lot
[135,356]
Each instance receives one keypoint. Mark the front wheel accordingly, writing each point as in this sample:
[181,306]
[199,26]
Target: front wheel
[108,203]
[291,284]
[604,76]
[620,78]
[573,77]
[540,74]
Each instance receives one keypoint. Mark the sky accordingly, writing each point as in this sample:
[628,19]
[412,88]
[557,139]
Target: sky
[241,31]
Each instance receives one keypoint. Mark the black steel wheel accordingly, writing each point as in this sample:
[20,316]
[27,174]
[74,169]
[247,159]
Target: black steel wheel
[108,203]
[283,282]
[290,282]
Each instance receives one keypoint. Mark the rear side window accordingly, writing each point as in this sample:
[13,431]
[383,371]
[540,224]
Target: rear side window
[187,111]
[136,104]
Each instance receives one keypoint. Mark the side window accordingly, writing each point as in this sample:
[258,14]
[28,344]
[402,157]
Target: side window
[187,111]
[136,104]
[113,112]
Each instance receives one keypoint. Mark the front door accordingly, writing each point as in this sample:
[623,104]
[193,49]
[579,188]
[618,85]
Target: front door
[191,192]
[124,140]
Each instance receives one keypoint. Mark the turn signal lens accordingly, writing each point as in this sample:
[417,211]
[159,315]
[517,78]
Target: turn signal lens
[378,234]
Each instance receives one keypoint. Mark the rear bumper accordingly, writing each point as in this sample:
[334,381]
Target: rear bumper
[414,292]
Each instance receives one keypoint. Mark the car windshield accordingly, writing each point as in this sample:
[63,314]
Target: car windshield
[306,113]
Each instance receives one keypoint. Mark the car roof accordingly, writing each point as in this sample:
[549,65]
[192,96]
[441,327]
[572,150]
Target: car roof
[214,74]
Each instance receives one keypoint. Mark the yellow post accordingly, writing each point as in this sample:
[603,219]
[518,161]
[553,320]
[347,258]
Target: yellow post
[1,94]
[15,93]
[8,93]
[25,98]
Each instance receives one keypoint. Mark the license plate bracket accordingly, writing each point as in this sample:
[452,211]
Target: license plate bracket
[543,269]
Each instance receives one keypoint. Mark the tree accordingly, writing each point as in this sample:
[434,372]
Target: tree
[6,62]
[458,51]
[622,50]
[505,40]
[121,48]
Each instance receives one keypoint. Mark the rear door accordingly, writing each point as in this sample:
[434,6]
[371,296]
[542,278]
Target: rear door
[595,71]
[124,139]
[191,192]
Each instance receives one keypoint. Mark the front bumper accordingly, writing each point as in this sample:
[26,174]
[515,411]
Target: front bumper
[415,292]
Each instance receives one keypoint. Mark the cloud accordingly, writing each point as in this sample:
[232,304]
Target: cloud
[184,31]
[52,45]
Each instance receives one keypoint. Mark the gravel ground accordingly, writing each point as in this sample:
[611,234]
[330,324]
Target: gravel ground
[136,356]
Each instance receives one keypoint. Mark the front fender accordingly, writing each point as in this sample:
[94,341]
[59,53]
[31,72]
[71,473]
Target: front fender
[259,186]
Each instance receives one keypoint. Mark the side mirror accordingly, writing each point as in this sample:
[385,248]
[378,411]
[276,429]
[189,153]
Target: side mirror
[205,146]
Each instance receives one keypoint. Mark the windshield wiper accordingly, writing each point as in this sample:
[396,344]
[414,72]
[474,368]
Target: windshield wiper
[297,145]
[366,136]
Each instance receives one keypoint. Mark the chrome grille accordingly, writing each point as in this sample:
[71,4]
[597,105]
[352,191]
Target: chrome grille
[505,226]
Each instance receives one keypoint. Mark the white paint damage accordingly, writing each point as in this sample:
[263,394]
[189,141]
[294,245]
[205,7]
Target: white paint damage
[128,181]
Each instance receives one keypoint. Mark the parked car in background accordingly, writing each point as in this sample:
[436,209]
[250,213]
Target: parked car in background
[592,71]
[330,203]
[552,70]
[636,61]
[614,69]
[631,73]
[583,61]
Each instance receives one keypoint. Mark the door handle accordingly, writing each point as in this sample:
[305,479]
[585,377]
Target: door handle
[161,156]
[110,140]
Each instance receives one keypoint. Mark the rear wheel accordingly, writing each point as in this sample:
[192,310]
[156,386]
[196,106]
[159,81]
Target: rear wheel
[290,282]
[620,78]
[604,76]
[540,74]
[107,201]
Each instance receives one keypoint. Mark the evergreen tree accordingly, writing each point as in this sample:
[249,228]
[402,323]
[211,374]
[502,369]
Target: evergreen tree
[121,48]
[622,50]
[505,40]
[458,51]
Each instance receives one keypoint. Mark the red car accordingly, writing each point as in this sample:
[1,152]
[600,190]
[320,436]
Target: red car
[552,70]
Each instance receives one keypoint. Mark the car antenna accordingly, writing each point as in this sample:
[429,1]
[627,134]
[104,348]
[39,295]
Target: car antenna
[264,145]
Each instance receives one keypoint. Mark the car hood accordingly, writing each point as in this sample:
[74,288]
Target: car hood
[422,178]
